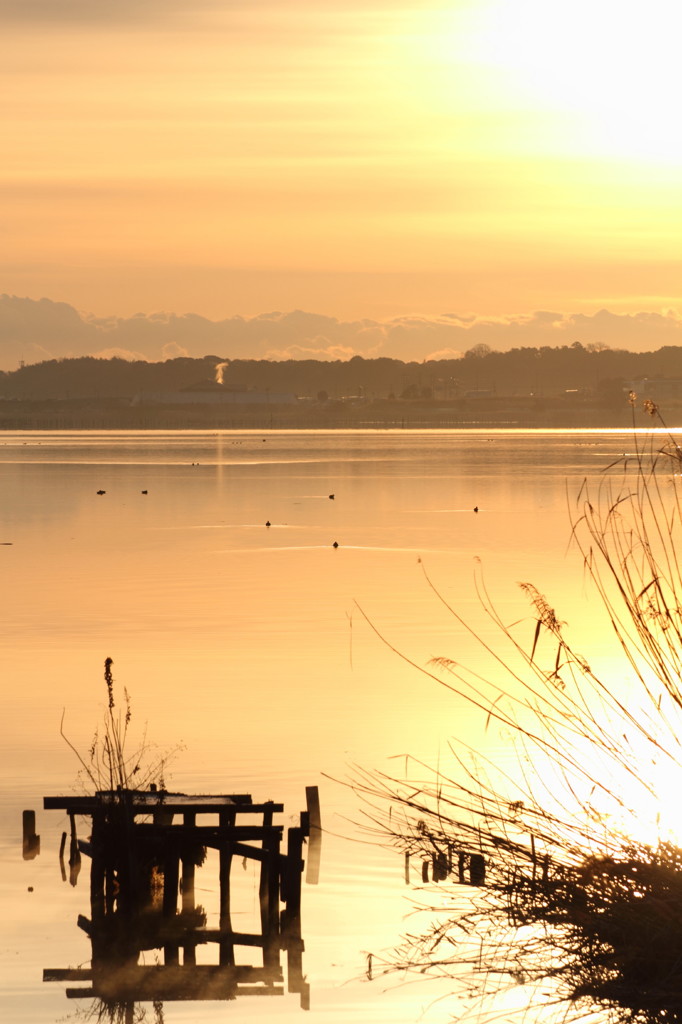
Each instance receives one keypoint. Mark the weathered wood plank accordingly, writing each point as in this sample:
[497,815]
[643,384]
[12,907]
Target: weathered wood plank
[67,974]
[137,836]
[161,992]
[179,802]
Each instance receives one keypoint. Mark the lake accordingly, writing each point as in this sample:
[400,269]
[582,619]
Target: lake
[263,651]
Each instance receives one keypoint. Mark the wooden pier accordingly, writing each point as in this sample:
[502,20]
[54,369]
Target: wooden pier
[147,850]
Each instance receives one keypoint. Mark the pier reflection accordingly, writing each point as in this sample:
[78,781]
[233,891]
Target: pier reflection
[149,853]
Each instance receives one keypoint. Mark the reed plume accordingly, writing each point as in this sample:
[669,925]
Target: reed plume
[111,762]
[559,871]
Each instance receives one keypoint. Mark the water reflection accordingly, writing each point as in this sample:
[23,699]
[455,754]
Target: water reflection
[74,854]
[145,850]
[30,841]
[194,595]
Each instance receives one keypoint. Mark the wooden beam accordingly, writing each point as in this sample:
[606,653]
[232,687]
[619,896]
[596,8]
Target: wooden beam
[147,801]
[67,974]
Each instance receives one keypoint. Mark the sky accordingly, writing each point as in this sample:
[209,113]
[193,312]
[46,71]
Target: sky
[355,159]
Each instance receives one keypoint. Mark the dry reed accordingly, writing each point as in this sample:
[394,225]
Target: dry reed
[100,1011]
[111,762]
[556,877]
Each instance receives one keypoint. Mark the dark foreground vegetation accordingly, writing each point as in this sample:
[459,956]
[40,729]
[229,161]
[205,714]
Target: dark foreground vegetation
[569,386]
[559,868]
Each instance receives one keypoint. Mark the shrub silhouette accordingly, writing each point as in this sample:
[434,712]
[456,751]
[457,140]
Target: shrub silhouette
[572,884]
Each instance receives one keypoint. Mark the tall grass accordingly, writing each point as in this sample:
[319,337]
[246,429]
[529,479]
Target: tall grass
[116,761]
[560,870]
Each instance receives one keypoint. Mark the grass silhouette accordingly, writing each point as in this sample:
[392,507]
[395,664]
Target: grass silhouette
[113,762]
[559,879]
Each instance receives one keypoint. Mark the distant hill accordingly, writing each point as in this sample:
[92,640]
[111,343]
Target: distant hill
[525,371]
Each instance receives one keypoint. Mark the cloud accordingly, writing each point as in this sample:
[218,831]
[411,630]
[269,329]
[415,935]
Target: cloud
[119,353]
[173,351]
[71,13]
[443,353]
[135,14]
[322,353]
[33,330]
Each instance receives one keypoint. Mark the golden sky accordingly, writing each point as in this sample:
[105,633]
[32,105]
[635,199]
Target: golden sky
[351,157]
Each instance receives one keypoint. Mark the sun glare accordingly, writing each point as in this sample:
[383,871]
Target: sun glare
[610,72]
[653,799]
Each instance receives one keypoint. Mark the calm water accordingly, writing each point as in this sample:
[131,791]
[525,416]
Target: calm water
[246,644]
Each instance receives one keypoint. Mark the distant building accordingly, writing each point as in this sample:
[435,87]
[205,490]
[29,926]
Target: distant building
[480,393]
[210,392]
[658,390]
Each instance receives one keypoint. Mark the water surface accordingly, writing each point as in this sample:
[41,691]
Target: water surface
[247,644]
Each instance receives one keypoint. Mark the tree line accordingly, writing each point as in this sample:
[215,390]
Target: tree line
[520,371]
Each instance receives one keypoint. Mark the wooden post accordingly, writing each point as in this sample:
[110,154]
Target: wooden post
[291,926]
[477,869]
[108,842]
[188,868]
[124,851]
[312,796]
[189,954]
[30,842]
[268,892]
[171,872]
[225,854]
[62,846]
[97,869]
[74,853]
[118,823]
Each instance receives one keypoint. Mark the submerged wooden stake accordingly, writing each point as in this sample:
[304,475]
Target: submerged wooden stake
[30,841]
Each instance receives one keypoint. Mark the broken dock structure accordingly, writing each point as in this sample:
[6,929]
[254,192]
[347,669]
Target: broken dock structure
[148,854]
